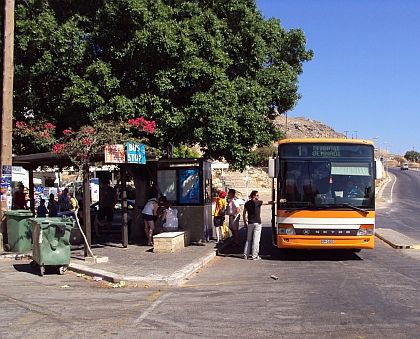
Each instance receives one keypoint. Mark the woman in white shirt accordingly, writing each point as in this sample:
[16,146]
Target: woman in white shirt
[149,213]
[170,218]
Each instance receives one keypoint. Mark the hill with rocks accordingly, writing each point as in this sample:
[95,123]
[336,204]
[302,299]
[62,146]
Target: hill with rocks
[302,127]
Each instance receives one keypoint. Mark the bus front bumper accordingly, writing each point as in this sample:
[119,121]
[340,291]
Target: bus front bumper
[317,242]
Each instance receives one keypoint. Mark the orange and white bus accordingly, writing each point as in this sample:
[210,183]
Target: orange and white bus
[325,193]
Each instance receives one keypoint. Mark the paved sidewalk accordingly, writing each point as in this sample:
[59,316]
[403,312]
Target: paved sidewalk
[137,263]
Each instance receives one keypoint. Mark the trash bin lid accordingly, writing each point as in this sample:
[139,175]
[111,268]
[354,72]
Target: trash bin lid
[19,213]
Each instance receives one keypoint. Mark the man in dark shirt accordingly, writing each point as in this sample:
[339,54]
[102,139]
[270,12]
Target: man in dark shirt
[19,200]
[253,223]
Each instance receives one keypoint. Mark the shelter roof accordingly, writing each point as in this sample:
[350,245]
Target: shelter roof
[32,161]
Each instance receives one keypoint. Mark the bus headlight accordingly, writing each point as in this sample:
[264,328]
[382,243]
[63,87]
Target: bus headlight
[286,229]
[365,230]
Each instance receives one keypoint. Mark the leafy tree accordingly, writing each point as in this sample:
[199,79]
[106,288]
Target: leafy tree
[182,151]
[413,156]
[262,154]
[208,72]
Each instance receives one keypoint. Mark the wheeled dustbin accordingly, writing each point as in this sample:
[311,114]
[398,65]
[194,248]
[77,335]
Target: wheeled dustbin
[19,230]
[51,243]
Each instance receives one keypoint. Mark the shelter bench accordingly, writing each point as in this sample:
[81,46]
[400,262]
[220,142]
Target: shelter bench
[171,242]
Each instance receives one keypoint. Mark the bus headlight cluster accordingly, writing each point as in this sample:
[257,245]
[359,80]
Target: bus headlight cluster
[365,230]
[286,229]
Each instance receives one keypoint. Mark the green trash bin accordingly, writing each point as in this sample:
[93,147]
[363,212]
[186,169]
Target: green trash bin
[51,243]
[19,230]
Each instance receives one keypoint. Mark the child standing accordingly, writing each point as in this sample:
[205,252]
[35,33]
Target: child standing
[42,209]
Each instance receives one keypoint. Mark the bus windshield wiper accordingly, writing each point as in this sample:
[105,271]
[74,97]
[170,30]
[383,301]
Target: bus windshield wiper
[309,206]
[353,207]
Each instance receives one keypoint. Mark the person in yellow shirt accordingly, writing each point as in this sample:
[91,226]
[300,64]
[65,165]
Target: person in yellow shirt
[219,216]
[73,201]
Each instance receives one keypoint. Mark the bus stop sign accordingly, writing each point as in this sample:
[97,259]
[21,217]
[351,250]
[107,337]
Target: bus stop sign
[136,153]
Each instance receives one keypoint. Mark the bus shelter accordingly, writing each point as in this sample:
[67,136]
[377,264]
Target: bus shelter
[32,161]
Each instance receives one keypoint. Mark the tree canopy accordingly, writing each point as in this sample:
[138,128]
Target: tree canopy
[208,72]
[413,156]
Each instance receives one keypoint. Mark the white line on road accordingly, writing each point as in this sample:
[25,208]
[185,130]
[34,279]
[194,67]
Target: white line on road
[392,187]
[152,306]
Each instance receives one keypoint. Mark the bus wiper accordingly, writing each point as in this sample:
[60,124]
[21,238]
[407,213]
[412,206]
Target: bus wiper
[306,207]
[353,207]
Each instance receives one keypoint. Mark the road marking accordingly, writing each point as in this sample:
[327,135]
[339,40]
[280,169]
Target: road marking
[220,283]
[392,187]
[154,296]
[160,299]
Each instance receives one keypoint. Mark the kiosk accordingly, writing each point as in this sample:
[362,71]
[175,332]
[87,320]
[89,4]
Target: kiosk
[186,183]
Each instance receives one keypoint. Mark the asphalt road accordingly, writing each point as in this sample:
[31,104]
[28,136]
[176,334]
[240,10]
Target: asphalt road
[318,294]
[402,203]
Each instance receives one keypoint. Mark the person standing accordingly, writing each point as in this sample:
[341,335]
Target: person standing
[170,216]
[52,206]
[19,199]
[42,209]
[252,221]
[149,214]
[234,212]
[219,216]
[107,201]
[73,201]
[64,201]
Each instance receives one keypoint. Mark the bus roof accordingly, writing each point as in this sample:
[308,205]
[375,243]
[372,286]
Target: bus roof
[326,140]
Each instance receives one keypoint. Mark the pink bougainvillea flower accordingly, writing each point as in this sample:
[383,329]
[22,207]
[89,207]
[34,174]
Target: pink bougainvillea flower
[148,126]
[58,147]
[87,142]
[67,131]
[20,124]
[49,126]
[89,130]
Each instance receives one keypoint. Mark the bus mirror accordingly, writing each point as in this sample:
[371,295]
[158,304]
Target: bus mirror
[271,168]
[378,169]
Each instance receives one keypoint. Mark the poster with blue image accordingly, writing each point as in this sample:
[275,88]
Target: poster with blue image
[189,182]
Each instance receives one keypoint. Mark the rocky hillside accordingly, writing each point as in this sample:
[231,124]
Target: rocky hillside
[302,127]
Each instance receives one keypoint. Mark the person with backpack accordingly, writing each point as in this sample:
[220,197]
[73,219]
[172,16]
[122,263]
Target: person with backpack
[219,216]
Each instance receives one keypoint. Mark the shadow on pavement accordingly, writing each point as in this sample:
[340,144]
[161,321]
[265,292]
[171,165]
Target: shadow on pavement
[269,252]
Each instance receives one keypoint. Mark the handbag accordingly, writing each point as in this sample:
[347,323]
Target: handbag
[225,230]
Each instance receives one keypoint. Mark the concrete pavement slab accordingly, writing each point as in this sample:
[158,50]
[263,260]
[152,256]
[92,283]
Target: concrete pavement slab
[395,239]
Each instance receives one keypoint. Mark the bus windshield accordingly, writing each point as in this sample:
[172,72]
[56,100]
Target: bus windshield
[326,176]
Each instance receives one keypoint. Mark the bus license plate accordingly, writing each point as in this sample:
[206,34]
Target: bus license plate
[327,241]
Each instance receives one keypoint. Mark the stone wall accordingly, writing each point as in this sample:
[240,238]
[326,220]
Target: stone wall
[258,180]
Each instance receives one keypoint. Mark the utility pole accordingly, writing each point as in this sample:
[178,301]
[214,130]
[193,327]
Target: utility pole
[7,104]
[346,133]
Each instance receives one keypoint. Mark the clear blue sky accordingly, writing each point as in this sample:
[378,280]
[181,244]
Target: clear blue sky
[365,74]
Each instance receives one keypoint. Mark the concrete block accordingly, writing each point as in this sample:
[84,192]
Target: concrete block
[96,259]
[171,242]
